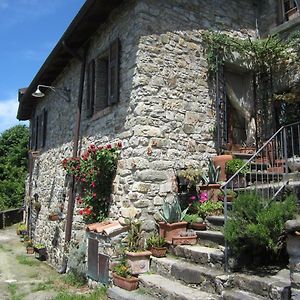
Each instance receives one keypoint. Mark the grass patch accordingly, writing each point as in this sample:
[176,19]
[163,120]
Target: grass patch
[13,288]
[98,294]
[43,286]
[74,279]
[28,261]
[33,275]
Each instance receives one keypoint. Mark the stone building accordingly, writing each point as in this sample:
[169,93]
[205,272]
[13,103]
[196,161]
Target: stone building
[137,73]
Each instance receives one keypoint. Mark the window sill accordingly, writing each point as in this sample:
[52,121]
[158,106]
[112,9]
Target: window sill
[102,113]
[286,26]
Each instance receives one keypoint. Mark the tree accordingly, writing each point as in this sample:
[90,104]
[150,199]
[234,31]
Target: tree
[13,166]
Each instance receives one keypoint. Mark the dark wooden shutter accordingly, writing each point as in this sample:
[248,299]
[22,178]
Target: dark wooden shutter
[90,88]
[113,72]
[40,130]
[44,127]
[37,123]
[101,81]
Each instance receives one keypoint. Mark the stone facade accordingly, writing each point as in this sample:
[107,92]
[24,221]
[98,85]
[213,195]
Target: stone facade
[165,116]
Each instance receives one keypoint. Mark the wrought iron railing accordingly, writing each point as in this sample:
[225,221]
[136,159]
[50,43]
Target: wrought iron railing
[270,169]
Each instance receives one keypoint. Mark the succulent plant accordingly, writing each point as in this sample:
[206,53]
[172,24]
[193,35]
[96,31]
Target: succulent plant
[213,173]
[171,211]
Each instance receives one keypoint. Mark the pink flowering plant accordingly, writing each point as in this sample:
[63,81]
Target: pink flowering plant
[94,173]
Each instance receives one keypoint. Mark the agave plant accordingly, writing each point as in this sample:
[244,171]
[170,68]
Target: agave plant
[213,173]
[171,211]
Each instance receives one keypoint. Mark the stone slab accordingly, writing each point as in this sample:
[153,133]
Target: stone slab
[240,295]
[116,293]
[215,237]
[167,289]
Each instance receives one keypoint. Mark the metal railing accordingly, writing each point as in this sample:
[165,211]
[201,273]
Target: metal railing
[270,169]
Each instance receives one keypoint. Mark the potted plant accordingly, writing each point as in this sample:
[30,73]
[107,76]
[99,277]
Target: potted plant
[138,258]
[122,276]
[40,250]
[21,228]
[221,160]
[211,185]
[232,166]
[208,208]
[185,238]
[29,247]
[156,244]
[231,194]
[195,222]
[172,216]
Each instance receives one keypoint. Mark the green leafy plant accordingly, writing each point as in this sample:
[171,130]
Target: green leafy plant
[122,268]
[39,246]
[155,240]
[134,237]
[208,208]
[256,225]
[22,227]
[235,164]
[94,173]
[193,218]
[171,211]
[213,173]
[191,175]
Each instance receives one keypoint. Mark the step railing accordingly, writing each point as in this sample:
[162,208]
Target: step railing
[269,170]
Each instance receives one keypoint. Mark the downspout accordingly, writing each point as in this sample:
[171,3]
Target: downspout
[71,192]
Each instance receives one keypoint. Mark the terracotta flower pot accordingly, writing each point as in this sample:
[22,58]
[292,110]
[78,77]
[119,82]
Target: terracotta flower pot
[128,284]
[168,231]
[184,240]
[212,190]
[29,250]
[139,262]
[159,251]
[197,226]
[221,160]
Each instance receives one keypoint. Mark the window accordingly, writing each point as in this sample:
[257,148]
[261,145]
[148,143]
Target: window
[38,131]
[289,9]
[103,80]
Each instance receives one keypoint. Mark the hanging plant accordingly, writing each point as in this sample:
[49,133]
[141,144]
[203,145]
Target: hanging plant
[94,173]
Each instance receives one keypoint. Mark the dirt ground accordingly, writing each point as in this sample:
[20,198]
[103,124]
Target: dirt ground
[23,277]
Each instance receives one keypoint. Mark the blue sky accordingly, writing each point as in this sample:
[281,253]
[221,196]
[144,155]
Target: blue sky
[29,29]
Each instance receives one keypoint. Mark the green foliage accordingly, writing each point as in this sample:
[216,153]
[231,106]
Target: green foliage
[134,236]
[77,263]
[193,218]
[122,268]
[235,164]
[256,225]
[94,173]
[261,55]
[39,246]
[208,208]
[22,227]
[171,211]
[13,166]
[74,279]
[155,240]
[192,175]
[98,294]
[213,173]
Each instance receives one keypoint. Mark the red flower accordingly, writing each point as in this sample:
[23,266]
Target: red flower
[81,212]
[88,211]
[119,144]
[100,147]
[93,184]
[108,146]
[94,195]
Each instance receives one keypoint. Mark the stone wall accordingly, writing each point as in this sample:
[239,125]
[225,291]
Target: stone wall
[165,116]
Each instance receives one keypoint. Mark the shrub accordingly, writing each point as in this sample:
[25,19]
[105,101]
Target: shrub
[256,226]
[235,164]
[208,208]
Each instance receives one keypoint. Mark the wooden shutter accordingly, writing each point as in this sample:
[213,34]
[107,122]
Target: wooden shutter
[40,131]
[44,127]
[113,72]
[90,88]
[101,78]
[37,123]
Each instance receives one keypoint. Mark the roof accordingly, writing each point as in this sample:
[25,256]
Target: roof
[92,14]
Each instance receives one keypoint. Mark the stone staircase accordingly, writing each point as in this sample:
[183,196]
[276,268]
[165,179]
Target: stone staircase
[197,272]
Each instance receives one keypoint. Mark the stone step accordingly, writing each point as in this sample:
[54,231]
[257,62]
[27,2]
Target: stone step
[116,293]
[167,289]
[210,238]
[240,295]
[204,278]
[216,220]
[270,287]
[205,256]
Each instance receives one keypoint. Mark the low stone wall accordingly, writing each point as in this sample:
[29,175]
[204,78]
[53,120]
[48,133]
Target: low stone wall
[10,217]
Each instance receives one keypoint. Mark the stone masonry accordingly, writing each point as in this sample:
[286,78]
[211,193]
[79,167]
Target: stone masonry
[165,117]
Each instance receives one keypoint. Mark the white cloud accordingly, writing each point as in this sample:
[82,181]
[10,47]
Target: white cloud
[8,113]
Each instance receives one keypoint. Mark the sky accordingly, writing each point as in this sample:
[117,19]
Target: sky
[29,30]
